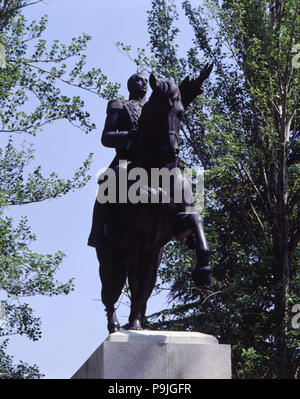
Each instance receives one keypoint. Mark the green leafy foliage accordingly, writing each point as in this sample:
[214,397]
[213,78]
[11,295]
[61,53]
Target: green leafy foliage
[244,130]
[8,370]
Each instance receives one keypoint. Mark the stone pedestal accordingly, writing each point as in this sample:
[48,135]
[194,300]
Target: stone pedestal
[158,355]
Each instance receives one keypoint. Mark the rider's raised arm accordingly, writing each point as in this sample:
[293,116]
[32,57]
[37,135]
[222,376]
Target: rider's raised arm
[192,88]
[189,90]
[111,136]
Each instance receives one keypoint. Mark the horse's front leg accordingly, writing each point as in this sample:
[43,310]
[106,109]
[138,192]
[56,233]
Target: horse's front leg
[193,223]
[202,272]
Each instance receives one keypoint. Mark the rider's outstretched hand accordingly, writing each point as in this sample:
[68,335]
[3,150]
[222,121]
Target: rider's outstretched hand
[206,71]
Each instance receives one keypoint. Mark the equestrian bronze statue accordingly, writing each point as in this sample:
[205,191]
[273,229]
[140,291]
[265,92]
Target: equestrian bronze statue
[129,236]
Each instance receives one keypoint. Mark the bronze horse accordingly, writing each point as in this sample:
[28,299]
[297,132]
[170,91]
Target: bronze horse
[135,234]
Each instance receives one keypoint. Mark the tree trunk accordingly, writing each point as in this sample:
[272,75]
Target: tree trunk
[283,264]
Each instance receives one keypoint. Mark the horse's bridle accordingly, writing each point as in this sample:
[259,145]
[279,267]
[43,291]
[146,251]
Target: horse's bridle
[174,150]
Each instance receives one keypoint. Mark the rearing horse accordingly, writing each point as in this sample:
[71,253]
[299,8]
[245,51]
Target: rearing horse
[135,234]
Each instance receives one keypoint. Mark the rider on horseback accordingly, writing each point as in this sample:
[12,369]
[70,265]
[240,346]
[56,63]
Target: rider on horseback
[120,132]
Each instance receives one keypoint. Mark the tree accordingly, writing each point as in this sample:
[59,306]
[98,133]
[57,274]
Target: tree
[33,74]
[245,132]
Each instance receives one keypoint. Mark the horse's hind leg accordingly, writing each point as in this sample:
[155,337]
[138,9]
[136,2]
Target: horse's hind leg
[112,271]
[142,275]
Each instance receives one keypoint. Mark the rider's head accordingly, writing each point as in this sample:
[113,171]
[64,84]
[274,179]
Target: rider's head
[137,85]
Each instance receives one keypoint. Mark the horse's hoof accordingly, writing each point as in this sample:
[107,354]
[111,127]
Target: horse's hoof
[136,325]
[113,328]
[113,324]
[203,259]
[202,276]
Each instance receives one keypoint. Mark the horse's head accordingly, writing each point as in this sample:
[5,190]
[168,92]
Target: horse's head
[160,124]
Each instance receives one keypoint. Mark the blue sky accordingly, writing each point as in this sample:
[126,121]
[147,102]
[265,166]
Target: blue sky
[74,326]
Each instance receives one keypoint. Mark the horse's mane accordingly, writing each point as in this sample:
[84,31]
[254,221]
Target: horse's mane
[167,93]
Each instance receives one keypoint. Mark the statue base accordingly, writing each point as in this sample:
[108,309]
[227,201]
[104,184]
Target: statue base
[158,355]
